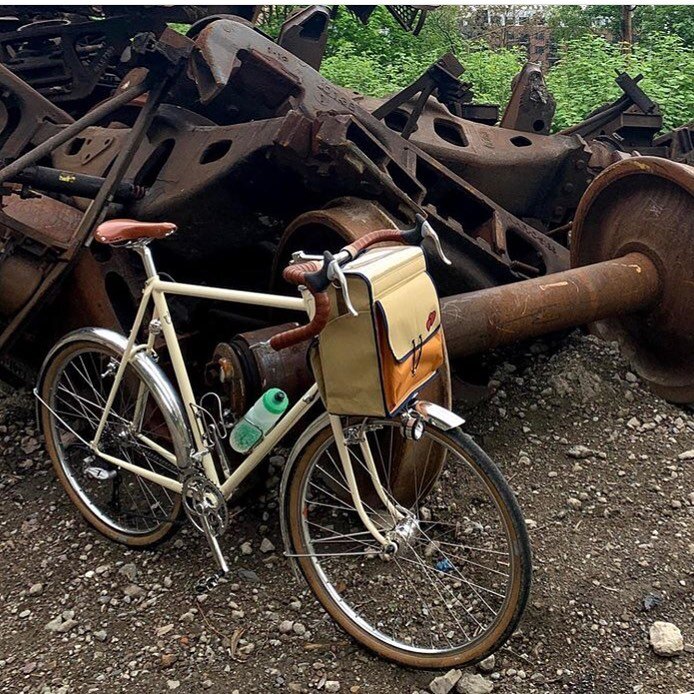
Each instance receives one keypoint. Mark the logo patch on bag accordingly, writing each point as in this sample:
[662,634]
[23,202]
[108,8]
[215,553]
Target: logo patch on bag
[430,319]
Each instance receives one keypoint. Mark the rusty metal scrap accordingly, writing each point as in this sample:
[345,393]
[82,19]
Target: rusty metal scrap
[313,144]
[254,155]
[531,106]
[71,54]
[678,143]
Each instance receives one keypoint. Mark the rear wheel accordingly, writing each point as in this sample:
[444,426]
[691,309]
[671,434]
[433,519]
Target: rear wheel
[122,505]
[454,590]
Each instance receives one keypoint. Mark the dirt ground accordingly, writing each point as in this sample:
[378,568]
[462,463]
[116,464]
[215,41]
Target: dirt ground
[601,469]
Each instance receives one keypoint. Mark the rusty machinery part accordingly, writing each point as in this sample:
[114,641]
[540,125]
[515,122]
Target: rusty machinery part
[246,366]
[34,234]
[630,122]
[280,128]
[646,206]
[124,96]
[678,143]
[410,17]
[26,117]
[335,147]
[71,54]
[633,252]
[531,106]
[536,177]
[339,223]
[71,59]
[305,34]
[442,81]
[165,58]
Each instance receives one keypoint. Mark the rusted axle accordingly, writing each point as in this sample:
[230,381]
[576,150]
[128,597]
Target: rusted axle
[473,322]
[633,253]
[489,318]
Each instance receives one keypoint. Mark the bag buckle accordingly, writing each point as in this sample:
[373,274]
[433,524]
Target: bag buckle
[416,354]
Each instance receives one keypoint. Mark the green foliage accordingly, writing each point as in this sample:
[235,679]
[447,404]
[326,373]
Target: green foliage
[674,20]
[380,58]
[574,21]
[568,22]
[490,72]
[583,78]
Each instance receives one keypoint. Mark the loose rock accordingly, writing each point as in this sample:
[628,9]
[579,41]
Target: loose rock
[444,683]
[487,665]
[473,684]
[266,546]
[666,639]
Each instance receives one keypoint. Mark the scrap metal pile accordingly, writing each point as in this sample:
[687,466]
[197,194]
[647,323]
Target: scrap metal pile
[253,154]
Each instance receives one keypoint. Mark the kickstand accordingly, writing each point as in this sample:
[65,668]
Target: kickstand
[205,584]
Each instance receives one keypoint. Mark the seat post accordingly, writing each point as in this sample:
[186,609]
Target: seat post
[142,247]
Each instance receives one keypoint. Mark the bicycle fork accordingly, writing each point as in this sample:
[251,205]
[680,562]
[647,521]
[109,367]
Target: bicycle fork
[346,461]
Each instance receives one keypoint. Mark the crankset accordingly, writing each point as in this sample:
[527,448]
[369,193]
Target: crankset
[204,504]
[206,508]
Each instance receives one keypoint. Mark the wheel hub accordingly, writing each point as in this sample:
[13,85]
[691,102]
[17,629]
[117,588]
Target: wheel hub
[405,532]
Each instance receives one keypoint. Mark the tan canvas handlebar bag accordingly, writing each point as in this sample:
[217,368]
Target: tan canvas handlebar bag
[373,363]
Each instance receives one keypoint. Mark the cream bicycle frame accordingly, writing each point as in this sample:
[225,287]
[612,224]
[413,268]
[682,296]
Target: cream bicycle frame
[155,291]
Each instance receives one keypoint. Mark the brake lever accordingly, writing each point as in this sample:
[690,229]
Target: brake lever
[428,232]
[335,274]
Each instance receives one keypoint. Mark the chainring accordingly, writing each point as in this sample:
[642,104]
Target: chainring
[202,498]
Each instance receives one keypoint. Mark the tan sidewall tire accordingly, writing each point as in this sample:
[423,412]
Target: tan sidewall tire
[520,554]
[45,423]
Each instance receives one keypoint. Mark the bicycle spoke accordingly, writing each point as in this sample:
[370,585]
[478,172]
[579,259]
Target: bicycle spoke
[122,499]
[432,592]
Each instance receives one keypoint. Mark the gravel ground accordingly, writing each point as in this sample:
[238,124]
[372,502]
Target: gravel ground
[602,469]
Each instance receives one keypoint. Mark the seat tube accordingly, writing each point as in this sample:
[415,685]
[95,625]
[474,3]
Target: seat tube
[183,381]
[343,452]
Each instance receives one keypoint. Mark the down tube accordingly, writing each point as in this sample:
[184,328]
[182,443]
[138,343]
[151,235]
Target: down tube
[270,441]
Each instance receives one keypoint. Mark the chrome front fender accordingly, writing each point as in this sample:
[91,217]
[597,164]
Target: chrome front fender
[151,374]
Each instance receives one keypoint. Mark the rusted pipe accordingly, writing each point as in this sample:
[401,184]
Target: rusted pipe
[489,318]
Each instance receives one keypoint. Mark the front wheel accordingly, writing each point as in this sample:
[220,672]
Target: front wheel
[457,585]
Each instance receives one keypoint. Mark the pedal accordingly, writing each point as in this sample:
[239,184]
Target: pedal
[205,585]
[99,473]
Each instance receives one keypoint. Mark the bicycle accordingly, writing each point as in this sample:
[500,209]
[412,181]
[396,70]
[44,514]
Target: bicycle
[428,569]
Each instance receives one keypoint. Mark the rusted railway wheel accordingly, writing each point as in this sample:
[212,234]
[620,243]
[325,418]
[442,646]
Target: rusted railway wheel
[646,205]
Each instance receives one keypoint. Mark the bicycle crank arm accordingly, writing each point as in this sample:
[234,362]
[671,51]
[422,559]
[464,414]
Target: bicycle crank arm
[214,546]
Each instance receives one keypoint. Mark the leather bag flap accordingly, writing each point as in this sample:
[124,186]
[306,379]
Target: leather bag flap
[411,315]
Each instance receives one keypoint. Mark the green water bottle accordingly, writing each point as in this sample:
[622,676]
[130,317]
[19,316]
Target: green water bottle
[256,423]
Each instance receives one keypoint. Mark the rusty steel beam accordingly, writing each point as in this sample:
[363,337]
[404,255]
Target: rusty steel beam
[490,318]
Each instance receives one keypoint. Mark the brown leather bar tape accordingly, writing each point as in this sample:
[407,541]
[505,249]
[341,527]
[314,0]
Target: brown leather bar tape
[305,332]
[372,237]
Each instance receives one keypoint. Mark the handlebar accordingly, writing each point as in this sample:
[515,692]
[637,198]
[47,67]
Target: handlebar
[317,275]
[298,275]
